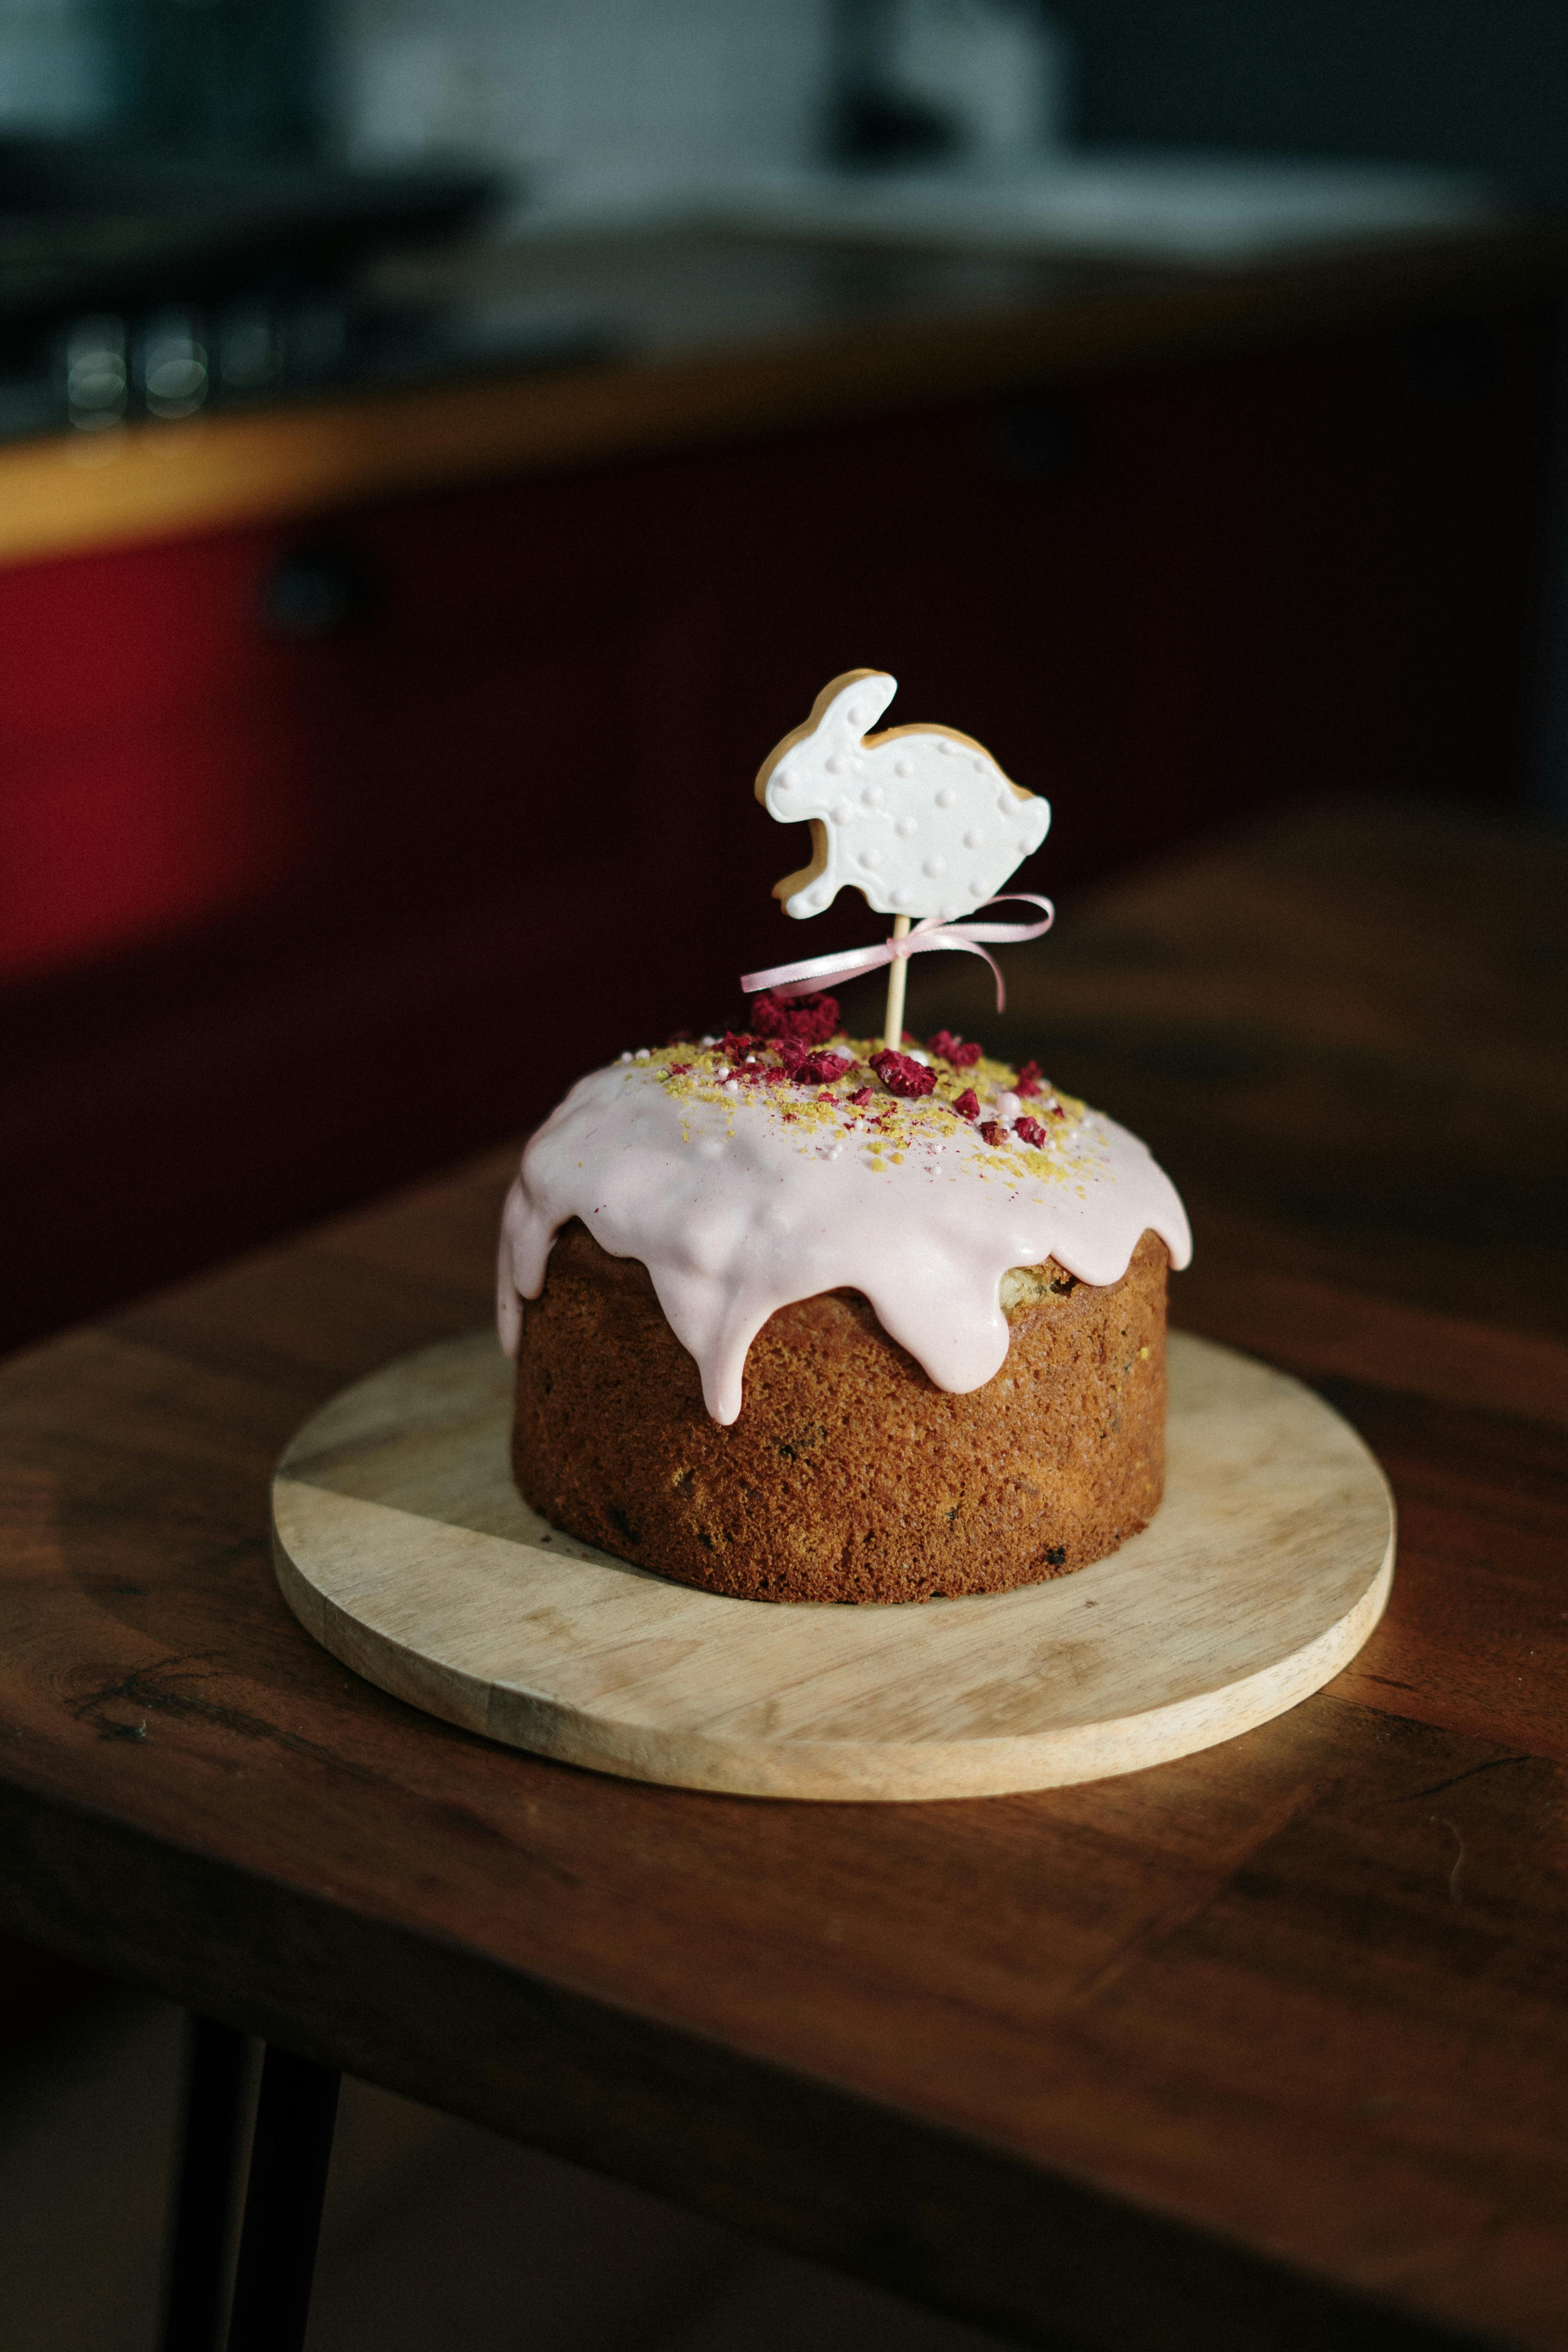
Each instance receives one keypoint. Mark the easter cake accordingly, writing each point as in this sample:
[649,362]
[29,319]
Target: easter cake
[800,1316]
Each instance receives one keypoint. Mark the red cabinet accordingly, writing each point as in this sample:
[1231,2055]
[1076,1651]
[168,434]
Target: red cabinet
[148,778]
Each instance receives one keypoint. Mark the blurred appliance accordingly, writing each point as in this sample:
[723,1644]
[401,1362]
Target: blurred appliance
[1190,211]
[91,223]
[916,81]
[948,129]
[140,283]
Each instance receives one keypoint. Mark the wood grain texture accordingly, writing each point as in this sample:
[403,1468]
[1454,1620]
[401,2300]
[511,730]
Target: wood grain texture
[402,1545]
[1265,2046]
[1054,322]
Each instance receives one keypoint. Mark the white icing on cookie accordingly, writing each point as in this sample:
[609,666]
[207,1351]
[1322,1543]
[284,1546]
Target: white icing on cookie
[921,820]
[739,1205]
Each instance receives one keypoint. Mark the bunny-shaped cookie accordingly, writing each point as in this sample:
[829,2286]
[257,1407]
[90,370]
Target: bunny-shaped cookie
[921,819]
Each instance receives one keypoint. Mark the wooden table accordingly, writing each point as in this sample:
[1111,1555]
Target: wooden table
[1266,2047]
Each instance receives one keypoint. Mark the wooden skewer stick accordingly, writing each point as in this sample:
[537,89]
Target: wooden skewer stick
[898,973]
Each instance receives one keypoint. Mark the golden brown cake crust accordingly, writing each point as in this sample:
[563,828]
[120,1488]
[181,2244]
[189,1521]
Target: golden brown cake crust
[850,1475]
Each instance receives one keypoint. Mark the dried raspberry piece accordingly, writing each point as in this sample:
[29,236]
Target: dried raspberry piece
[735,1045]
[968,1104]
[809,1020]
[679,1069]
[861,1097]
[825,1069]
[993,1131]
[952,1049]
[1057,1111]
[1031,1131]
[1028,1079]
[902,1076]
[792,1053]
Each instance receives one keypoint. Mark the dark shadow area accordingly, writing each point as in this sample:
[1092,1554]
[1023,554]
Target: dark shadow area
[436,2232]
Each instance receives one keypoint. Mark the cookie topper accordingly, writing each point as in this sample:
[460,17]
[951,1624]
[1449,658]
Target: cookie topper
[920,819]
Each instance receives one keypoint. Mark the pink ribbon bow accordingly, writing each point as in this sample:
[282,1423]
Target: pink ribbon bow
[799,979]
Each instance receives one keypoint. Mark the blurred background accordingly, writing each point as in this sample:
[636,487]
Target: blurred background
[443,447]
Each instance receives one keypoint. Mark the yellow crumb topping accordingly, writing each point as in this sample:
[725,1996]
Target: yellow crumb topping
[839,1102]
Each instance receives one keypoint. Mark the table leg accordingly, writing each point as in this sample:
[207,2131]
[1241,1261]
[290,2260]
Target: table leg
[216,2062]
[289,2155]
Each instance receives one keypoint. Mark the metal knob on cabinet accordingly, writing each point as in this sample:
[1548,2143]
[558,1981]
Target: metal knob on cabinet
[317,592]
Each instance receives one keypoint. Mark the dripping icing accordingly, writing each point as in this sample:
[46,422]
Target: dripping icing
[741,1200]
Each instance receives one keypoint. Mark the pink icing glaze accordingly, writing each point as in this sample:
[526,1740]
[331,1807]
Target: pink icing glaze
[738,1206]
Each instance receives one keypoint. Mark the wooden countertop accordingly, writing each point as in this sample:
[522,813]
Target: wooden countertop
[716,336]
[1267,2046]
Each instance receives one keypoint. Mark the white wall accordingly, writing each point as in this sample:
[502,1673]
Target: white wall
[593,99]
[54,66]
[589,99]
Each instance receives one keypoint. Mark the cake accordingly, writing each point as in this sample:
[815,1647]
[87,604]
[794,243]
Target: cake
[801,1319]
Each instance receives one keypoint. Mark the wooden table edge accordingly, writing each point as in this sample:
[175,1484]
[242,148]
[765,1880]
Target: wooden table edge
[909,2204]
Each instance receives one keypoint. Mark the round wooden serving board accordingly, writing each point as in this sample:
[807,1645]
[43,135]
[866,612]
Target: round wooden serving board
[402,1546]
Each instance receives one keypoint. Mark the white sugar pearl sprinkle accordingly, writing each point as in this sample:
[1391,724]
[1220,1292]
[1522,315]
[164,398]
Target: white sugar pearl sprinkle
[643,1053]
[903,767]
[946,797]
[842,814]
[932,867]
[973,838]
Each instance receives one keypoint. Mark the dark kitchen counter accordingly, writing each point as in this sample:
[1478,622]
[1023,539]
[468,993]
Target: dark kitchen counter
[594,348]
